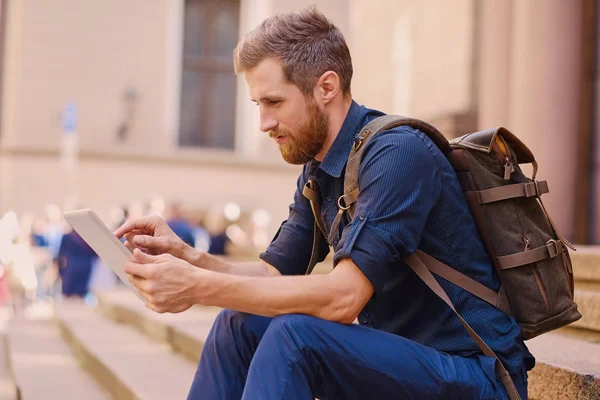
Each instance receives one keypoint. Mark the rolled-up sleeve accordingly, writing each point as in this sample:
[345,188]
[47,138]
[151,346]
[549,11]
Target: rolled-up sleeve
[291,247]
[399,185]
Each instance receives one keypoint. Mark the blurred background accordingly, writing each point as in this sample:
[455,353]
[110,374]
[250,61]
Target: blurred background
[131,107]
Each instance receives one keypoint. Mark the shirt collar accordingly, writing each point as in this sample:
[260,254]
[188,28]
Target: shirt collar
[337,155]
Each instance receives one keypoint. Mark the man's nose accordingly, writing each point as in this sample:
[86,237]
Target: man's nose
[267,123]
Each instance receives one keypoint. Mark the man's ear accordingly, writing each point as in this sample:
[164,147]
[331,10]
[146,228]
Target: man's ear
[327,87]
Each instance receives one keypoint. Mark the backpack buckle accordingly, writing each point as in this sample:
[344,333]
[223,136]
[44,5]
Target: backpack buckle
[360,139]
[538,192]
[533,189]
[553,247]
[345,206]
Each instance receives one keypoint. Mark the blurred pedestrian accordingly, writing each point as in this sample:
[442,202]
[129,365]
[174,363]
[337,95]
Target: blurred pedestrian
[75,260]
[179,225]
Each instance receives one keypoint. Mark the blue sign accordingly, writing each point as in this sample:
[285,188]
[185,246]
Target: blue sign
[70,118]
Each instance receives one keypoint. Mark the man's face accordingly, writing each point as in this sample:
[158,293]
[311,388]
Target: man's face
[295,121]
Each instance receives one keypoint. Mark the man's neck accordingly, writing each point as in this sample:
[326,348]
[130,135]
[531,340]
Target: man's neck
[336,120]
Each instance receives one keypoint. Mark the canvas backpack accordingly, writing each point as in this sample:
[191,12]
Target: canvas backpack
[529,253]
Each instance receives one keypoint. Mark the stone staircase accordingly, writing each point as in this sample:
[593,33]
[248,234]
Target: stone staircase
[122,350]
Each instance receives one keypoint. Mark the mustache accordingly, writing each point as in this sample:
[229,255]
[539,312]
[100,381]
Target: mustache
[278,132]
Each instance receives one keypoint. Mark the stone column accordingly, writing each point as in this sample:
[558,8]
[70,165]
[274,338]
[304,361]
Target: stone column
[595,235]
[545,93]
[495,28]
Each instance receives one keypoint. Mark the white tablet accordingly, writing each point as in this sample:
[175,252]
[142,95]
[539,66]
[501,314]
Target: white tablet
[104,242]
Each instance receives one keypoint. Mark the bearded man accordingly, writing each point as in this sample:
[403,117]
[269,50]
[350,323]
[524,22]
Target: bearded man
[288,335]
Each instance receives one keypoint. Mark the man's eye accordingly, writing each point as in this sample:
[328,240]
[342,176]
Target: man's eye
[274,102]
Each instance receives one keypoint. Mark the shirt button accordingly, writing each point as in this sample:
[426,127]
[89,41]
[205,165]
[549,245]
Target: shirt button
[362,216]
[364,320]
[329,198]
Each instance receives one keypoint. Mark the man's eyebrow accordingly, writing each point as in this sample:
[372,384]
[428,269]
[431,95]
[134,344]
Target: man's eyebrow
[267,98]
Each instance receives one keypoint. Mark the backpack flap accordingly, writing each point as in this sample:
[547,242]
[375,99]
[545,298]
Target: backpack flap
[499,140]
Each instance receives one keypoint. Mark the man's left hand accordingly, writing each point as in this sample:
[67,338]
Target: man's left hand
[167,283]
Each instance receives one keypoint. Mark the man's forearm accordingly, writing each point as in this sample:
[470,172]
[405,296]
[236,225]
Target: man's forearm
[315,295]
[212,263]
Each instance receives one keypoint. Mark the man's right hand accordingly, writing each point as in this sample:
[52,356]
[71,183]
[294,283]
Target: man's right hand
[152,235]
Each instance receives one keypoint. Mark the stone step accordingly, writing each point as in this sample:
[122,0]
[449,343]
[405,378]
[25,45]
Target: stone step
[566,368]
[125,362]
[185,333]
[550,377]
[588,302]
[580,333]
[586,263]
[44,366]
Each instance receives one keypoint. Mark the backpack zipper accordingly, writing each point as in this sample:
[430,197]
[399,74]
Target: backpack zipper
[508,166]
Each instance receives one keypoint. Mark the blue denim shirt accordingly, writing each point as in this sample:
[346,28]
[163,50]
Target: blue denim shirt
[409,199]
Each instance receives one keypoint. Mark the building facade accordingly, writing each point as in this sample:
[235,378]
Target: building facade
[105,103]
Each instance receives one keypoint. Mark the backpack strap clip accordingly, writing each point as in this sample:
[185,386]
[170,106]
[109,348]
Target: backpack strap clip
[360,139]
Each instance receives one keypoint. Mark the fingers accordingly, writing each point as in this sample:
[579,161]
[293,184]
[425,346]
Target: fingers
[130,241]
[146,291]
[142,257]
[132,234]
[143,265]
[155,308]
[156,245]
[146,224]
[132,247]
[129,246]
[146,287]
[133,268]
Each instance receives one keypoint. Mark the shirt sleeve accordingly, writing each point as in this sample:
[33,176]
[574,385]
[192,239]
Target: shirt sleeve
[291,247]
[399,185]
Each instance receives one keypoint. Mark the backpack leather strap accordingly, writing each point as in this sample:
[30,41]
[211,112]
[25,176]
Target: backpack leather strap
[530,189]
[313,194]
[550,250]
[345,203]
[375,126]
[461,280]
[316,249]
[417,265]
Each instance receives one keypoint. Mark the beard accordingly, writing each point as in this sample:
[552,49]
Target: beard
[303,144]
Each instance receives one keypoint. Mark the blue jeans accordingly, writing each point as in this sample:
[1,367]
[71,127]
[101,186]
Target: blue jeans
[301,357]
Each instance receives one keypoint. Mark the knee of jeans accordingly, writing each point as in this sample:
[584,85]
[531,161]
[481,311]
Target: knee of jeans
[231,324]
[294,329]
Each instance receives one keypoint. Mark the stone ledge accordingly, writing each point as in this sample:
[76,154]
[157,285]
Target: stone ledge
[184,333]
[566,368]
[580,333]
[125,362]
[586,263]
[549,382]
[44,365]
[588,303]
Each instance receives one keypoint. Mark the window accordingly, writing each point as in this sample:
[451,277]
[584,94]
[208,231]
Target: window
[208,84]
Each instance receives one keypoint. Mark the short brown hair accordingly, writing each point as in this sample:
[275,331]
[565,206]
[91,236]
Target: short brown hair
[306,43]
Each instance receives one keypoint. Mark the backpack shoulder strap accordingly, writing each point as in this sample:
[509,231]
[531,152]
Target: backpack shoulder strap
[313,193]
[351,189]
